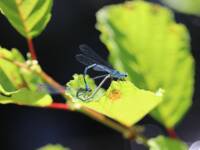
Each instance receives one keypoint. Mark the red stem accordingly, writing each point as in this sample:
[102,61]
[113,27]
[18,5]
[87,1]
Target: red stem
[34,57]
[31,49]
[172,133]
[59,106]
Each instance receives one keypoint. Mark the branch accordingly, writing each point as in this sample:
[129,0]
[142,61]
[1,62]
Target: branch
[128,132]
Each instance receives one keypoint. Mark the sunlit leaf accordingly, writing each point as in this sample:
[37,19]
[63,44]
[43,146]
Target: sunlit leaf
[5,93]
[185,6]
[53,147]
[19,85]
[10,70]
[165,143]
[24,97]
[5,82]
[17,56]
[28,17]
[123,101]
[14,76]
[33,80]
[77,83]
[146,42]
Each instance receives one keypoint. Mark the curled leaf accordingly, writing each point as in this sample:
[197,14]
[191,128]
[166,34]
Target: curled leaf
[77,84]
[24,97]
[123,101]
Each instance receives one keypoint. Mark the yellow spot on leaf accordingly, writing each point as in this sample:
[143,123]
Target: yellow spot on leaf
[114,95]
[155,9]
[129,6]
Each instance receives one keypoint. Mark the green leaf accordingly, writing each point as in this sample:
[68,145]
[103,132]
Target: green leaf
[77,83]
[10,70]
[20,85]
[5,82]
[5,93]
[14,77]
[146,42]
[16,55]
[24,97]
[123,101]
[28,17]
[185,6]
[53,147]
[32,80]
[164,143]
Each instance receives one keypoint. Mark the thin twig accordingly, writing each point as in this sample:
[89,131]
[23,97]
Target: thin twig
[172,133]
[31,49]
[53,84]
[59,106]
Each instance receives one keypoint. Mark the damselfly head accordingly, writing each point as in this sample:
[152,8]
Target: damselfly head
[125,75]
[122,76]
[119,75]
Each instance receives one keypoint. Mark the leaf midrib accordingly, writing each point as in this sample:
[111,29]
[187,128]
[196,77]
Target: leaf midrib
[21,16]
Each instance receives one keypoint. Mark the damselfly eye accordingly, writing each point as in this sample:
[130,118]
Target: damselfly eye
[125,75]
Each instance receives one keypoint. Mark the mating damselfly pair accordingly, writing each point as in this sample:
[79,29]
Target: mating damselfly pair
[93,61]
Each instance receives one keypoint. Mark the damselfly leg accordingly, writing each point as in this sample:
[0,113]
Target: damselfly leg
[83,92]
[99,77]
[87,88]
